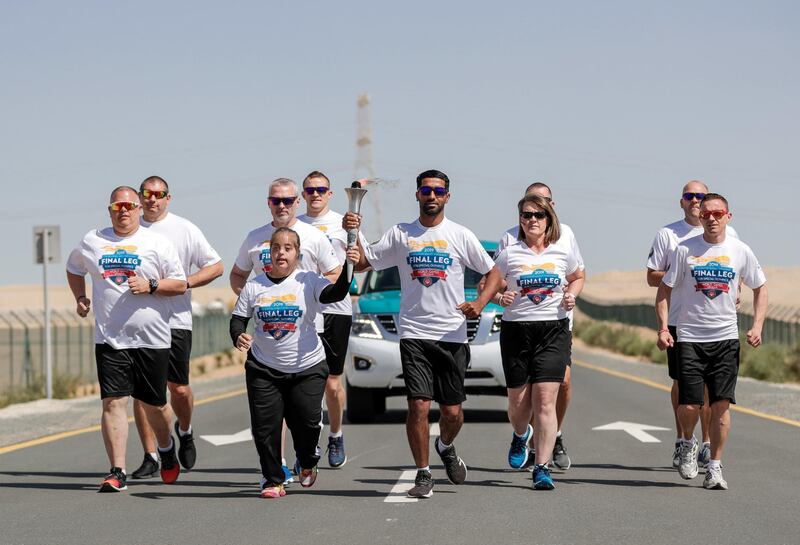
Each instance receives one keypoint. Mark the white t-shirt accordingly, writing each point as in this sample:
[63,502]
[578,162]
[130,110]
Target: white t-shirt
[431,262]
[567,240]
[193,251]
[538,279]
[285,314]
[330,224]
[705,282]
[663,248]
[122,319]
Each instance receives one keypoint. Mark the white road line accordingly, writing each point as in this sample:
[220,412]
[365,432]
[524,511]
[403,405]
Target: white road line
[398,493]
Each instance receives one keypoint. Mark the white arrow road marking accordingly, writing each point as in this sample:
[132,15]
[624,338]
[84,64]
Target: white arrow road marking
[399,492]
[219,440]
[634,430]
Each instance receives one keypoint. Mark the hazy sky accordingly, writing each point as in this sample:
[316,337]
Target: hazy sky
[614,104]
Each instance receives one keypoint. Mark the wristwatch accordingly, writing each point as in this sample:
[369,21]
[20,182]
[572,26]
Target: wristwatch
[153,285]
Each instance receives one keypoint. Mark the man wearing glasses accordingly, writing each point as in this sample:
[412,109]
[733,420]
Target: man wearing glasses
[518,453]
[338,317]
[703,280]
[317,254]
[666,240]
[431,254]
[133,273]
[194,251]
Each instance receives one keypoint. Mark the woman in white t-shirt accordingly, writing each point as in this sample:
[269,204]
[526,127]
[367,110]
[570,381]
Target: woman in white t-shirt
[285,369]
[535,340]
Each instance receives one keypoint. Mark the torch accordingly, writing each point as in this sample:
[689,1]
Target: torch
[355,194]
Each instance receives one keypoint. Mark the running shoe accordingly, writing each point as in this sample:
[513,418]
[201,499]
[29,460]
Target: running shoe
[454,466]
[560,456]
[187,452]
[704,456]
[273,491]
[676,454]
[288,477]
[336,455]
[518,452]
[307,477]
[115,481]
[542,479]
[714,480]
[423,485]
[170,468]
[149,468]
[688,465]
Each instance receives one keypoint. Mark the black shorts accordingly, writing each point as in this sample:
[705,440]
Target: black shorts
[335,338]
[714,364]
[535,351]
[435,370]
[180,352]
[672,353]
[137,372]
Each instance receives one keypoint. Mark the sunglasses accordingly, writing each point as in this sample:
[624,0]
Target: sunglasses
[287,201]
[718,214]
[312,190]
[689,196]
[426,190]
[123,205]
[539,215]
[147,193]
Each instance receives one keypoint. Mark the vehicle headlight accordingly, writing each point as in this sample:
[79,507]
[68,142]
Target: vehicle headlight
[365,326]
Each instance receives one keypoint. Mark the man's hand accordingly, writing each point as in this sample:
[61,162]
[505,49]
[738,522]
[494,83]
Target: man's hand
[507,298]
[138,285]
[83,306]
[754,337]
[244,342]
[471,309]
[350,221]
[353,254]
[568,301]
[665,340]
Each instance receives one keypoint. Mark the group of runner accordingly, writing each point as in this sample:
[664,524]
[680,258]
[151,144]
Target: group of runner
[290,281]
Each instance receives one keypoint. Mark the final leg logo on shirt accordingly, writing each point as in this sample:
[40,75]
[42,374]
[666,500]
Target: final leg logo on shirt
[538,281]
[264,257]
[429,261]
[712,276]
[119,263]
[278,315]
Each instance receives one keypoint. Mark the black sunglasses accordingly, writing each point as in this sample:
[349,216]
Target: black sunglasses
[539,215]
[287,201]
[426,190]
[312,190]
[688,196]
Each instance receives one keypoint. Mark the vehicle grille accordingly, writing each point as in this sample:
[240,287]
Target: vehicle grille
[388,323]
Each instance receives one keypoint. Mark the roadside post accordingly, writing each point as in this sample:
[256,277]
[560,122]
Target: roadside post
[47,249]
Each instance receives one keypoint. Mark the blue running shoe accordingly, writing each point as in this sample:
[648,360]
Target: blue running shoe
[518,452]
[542,479]
[336,455]
[287,475]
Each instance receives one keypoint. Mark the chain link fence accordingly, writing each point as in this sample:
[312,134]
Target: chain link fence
[22,345]
[781,326]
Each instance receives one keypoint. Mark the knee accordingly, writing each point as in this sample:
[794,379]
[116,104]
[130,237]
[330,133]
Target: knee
[419,408]
[450,413]
[115,403]
[333,385]
[181,391]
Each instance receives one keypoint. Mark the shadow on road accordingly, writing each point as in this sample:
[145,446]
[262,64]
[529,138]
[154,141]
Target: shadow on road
[398,416]
[617,466]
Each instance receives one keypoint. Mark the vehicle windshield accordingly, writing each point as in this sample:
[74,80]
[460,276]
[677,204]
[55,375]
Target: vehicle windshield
[389,279]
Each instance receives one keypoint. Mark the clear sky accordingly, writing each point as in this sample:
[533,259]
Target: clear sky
[614,104]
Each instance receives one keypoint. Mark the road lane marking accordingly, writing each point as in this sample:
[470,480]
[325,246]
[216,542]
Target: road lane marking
[434,430]
[399,492]
[89,429]
[634,430]
[663,388]
[230,439]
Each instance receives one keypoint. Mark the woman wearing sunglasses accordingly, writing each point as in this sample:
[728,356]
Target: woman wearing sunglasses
[544,275]
[285,369]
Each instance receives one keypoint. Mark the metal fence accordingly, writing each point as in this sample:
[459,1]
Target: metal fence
[782,324]
[22,344]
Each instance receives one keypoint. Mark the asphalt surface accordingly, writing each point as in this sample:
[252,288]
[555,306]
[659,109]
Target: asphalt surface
[619,489]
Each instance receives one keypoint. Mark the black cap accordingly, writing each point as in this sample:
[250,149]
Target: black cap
[356,184]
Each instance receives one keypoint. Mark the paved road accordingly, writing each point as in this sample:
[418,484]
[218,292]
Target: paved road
[619,490]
